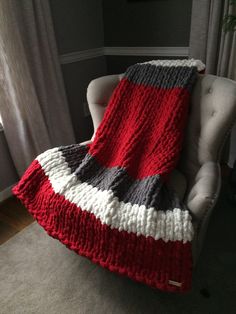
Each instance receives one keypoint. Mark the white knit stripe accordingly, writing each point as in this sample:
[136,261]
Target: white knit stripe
[169,225]
[176,63]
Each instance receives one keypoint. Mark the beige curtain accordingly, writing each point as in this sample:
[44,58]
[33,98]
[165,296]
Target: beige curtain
[208,41]
[227,52]
[205,29]
[33,103]
[216,48]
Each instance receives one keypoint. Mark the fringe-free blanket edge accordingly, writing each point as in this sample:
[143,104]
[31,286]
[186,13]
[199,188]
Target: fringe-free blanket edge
[95,199]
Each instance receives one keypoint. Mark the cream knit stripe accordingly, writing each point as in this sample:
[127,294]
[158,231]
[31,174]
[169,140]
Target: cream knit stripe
[171,225]
[176,63]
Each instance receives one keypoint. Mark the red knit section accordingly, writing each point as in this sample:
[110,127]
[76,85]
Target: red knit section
[144,144]
[146,260]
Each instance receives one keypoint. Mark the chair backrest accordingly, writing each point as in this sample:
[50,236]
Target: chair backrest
[212,115]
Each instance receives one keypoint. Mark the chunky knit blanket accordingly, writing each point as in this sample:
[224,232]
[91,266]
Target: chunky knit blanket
[109,200]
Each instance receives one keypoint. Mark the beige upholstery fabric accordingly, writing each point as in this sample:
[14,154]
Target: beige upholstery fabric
[212,115]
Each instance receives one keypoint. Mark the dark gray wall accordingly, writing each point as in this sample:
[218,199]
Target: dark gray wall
[147,23]
[118,64]
[79,26]
[86,24]
[77,77]
[161,23]
[8,175]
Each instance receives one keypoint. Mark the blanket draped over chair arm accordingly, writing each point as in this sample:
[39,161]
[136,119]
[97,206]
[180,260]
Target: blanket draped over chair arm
[212,115]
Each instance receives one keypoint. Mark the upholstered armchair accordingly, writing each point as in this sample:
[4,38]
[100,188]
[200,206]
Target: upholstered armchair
[197,179]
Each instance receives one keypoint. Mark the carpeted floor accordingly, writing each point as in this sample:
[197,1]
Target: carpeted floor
[40,275]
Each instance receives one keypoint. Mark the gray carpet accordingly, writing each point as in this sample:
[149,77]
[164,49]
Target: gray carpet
[40,275]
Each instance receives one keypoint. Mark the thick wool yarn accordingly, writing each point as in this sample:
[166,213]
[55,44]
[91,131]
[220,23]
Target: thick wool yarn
[109,200]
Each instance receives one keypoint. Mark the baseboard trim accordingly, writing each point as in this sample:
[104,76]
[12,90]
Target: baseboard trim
[77,56]
[81,55]
[6,193]
[147,51]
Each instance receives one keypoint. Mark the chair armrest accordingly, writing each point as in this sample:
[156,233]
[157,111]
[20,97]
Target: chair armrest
[205,190]
[201,200]
[99,92]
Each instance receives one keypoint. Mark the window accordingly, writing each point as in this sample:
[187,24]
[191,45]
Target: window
[1,127]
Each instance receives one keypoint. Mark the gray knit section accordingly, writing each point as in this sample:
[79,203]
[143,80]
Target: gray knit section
[161,76]
[74,155]
[149,191]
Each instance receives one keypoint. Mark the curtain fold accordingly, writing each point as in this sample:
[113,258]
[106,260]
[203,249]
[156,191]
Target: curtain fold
[227,52]
[33,104]
[205,32]
[215,47]
[208,41]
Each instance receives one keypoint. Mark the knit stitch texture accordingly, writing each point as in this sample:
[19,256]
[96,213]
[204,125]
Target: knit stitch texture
[109,200]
